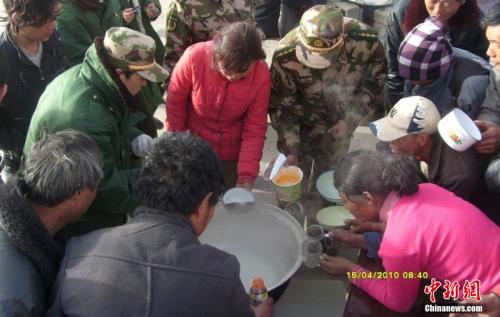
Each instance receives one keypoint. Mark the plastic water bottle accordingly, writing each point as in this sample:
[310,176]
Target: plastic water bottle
[258,291]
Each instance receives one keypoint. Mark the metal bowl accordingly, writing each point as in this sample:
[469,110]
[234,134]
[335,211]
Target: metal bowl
[266,241]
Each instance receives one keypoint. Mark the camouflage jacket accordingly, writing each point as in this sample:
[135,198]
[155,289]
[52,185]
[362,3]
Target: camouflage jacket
[347,90]
[194,21]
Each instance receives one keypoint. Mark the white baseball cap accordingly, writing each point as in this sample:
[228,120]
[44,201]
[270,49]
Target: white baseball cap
[409,115]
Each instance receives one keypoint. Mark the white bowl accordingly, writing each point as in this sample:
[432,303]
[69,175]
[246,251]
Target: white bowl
[237,195]
[324,186]
[333,217]
[458,130]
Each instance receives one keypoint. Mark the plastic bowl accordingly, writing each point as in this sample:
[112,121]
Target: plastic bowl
[324,186]
[333,217]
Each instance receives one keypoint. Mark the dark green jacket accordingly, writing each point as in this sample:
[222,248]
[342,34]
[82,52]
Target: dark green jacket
[148,28]
[79,27]
[152,94]
[88,99]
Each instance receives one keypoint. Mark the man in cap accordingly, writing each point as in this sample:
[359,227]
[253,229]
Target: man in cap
[97,97]
[193,21]
[433,69]
[327,75]
[411,129]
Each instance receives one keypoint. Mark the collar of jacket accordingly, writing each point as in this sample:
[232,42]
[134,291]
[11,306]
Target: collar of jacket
[103,77]
[163,216]
[11,45]
[25,230]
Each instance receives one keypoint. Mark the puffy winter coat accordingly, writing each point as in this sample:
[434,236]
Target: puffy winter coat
[90,98]
[79,27]
[230,115]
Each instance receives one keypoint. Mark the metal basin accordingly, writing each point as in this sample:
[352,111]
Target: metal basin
[265,239]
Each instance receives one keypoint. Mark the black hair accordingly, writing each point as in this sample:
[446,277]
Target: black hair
[33,13]
[376,173]
[237,45]
[181,170]
[4,66]
[492,17]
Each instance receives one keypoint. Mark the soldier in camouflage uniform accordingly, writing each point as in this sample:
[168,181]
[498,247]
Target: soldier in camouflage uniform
[194,21]
[327,75]
[97,98]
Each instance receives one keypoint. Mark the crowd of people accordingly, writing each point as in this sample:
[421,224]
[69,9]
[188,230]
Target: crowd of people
[100,217]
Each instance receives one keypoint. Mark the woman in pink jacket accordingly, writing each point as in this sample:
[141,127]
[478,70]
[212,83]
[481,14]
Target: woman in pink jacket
[430,232]
[219,90]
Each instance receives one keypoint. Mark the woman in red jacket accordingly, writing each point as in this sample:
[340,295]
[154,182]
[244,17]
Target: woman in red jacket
[219,90]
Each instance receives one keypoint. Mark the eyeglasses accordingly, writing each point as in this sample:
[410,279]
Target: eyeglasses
[445,3]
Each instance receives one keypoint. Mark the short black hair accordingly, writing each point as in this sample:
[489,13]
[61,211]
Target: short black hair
[181,170]
[4,66]
[33,13]
[237,45]
[492,17]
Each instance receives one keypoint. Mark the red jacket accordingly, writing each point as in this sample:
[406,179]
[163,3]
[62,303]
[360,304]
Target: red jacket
[231,116]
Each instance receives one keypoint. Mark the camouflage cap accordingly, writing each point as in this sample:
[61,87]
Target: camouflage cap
[320,32]
[133,51]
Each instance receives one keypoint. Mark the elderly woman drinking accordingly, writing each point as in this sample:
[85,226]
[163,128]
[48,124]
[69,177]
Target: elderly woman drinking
[428,230]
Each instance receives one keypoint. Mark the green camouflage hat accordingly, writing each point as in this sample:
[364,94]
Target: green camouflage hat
[320,32]
[133,51]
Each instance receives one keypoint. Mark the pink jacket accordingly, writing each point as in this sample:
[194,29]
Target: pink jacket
[231,116]
[437,232]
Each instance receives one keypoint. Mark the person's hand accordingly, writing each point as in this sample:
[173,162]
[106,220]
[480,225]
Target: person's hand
[292,159]
[349,239]
[365,226]
[490,134]
[264,309]
[152,11]
[248,186]
[339,129]
[344,236]
[335,265]
[141,145]
[3,91]
[490,303]
[128,15]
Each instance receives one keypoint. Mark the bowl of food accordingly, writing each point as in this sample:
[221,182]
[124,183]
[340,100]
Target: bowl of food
[266,240]
[324,186]
[333,217]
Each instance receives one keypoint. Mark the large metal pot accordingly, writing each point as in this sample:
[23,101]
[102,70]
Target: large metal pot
[265,239]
